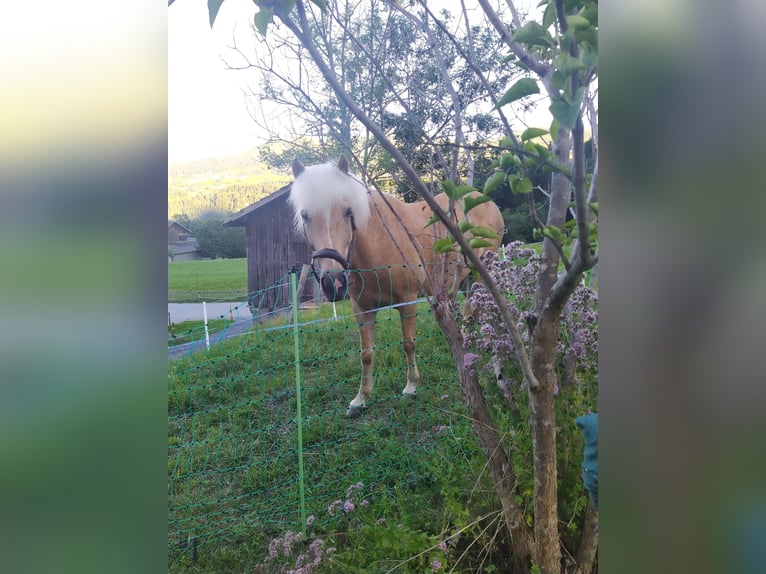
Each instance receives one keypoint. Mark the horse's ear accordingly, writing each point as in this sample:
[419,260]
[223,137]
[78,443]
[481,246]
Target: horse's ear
[343,164]
[297,167]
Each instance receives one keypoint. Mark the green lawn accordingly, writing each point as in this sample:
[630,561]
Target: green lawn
[225,276]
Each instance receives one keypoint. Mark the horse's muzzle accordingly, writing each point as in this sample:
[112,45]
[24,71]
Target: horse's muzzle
[334,285]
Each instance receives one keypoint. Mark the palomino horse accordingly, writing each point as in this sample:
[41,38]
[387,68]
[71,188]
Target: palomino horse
[346,224]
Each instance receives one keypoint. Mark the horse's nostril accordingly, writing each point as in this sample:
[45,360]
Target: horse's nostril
[334,285]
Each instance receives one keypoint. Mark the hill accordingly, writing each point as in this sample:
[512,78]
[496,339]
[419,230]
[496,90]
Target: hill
[227,183]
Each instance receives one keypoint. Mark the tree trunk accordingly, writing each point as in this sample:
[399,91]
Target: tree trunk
[586,551]
[542,418]
[501,469]
[542,421]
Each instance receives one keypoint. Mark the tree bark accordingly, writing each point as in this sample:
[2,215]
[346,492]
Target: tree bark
[542,422]
[586,551]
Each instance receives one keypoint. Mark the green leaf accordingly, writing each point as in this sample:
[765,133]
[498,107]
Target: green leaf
[262,20]
[482,231]
[524,87]
[549,17]
[576,21]
[212,8]
[564,112]
[506,142]
[521,185]
[553,232]
[531,133]
[508,160]
[443,246]
[449,188]
[543,151]
[470,202]
[530,148]
[532,33]
[554,128]
[594,207]
[567,64]
[464,226]
[283,8]
[431,220]
[478,243]
[494,181]
[464,190]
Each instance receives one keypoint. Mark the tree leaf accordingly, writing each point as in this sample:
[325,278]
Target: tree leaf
[531,133]
[532,33]
[449,188]
[494,181]
[431,220]
[262,20]
[549,17]
[576,21]
[554,128]
[521,185]
[464,226]
[470,202]
[567,64]
[464,190]
[482,231]
[478,242]
[212,7]
[553,232]
[443,246]
[321,3]
[508,160]
[524,87]
[564,112]
[594,207]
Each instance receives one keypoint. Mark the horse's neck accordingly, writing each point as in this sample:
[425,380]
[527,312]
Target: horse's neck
[384,239]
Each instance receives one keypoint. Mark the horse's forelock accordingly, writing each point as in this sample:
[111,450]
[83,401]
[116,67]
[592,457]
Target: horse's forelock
[319,187]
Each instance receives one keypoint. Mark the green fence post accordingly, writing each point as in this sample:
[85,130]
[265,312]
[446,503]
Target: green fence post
[299,414]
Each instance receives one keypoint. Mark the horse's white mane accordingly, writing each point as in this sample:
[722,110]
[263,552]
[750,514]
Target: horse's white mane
[319,187]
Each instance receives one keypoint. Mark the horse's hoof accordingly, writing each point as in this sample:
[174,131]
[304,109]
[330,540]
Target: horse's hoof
[354,412]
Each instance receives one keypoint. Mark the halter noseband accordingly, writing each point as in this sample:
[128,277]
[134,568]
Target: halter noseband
[328,253]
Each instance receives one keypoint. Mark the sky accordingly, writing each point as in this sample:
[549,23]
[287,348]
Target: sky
[207,115]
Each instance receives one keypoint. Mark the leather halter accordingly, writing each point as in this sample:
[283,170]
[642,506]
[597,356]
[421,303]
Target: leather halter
[328,253]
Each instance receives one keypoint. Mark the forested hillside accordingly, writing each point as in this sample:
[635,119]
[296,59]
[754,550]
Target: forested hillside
[224,184]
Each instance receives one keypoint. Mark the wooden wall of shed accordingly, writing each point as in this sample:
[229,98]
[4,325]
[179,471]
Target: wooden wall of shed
[272,247]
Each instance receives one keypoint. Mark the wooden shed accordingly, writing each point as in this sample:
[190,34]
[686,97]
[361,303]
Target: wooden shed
[273,246]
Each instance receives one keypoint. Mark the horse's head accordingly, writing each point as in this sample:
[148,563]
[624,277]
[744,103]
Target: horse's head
[330,206]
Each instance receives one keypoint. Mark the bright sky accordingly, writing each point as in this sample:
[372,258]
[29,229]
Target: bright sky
[207,116]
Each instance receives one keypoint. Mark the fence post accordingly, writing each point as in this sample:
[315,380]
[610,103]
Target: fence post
[299,414]
[207,333]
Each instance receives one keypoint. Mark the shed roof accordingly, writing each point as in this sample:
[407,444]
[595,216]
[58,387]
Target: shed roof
[172,223]
[239,218]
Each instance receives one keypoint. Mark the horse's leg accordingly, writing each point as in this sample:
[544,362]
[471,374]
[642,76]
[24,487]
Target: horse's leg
[408,315]
[366,322]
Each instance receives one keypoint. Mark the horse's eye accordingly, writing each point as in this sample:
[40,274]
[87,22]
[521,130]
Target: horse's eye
[305,217]
[348,213]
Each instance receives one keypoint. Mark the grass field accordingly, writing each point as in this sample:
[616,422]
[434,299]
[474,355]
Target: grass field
[233,464]
[220,278]
[232,447]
